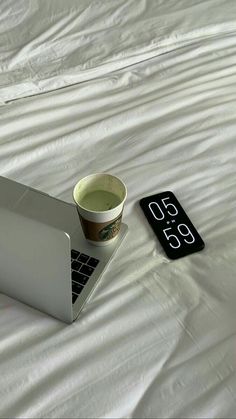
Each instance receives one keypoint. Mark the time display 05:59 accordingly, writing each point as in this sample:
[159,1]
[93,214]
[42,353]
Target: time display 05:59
[171,225]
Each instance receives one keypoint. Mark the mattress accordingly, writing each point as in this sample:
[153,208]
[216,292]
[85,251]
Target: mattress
[145,90]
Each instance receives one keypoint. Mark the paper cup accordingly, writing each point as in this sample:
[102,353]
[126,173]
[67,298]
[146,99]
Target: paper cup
[100,200]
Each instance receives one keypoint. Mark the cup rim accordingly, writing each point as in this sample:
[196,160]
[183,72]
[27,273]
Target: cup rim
[100,212]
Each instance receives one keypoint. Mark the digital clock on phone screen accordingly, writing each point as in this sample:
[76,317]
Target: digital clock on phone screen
[171,225]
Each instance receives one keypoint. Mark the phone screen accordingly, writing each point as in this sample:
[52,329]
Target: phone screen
[170,223]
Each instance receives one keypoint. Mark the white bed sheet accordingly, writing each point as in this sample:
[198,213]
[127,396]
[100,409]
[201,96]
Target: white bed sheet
[157,338]
[45,45]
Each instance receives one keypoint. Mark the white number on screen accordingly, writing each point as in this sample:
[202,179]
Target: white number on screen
[169,205]
[156,207]
[175,241]
[185,232]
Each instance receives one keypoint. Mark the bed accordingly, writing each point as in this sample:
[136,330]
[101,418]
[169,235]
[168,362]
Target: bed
[145,90]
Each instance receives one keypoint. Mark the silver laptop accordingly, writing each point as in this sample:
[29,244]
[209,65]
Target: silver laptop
[45,261]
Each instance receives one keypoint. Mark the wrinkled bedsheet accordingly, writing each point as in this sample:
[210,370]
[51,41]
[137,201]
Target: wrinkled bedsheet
[147,93]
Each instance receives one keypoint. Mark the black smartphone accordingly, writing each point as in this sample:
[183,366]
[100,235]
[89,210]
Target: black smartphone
[170,223]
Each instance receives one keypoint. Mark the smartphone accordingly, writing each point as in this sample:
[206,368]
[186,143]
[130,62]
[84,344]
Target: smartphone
[172,226]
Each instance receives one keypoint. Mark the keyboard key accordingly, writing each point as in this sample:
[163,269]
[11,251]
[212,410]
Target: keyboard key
[80,278]
[93,262]
[87,270]
[74,298]
[77,288]
[74,276]
[76,265]
[74,254]
[83,258]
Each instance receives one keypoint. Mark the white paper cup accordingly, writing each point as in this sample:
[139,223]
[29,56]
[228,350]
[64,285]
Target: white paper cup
[100,200]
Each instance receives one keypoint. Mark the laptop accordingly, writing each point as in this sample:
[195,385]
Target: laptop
[45,261]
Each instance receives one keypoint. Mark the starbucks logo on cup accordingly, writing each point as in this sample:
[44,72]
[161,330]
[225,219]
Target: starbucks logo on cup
[111,230]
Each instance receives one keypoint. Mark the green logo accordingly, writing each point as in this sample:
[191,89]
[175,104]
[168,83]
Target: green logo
[110,230]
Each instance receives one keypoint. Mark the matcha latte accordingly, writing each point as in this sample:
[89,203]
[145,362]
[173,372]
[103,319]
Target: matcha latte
[100,201]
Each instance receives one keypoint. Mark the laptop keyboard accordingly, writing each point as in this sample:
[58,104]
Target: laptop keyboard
[82,267]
